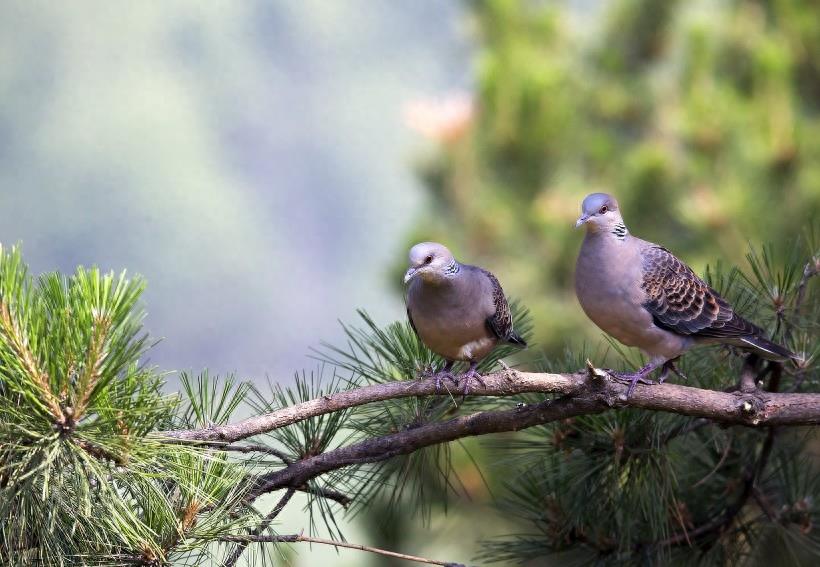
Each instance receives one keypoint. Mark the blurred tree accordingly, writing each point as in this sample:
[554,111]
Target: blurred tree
[702,117]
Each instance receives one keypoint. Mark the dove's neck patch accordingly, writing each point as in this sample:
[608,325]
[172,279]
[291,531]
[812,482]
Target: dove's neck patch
[620,231]
[452,269]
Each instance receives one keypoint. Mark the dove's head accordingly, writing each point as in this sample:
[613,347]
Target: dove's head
[600,212]
[430,261]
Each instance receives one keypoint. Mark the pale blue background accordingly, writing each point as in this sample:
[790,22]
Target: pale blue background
[248,158]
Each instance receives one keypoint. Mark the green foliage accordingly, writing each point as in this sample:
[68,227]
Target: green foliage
[93,486]
[80,480]
[307,438]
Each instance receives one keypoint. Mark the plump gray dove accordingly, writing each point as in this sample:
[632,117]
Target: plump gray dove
[458,311]
[643,296]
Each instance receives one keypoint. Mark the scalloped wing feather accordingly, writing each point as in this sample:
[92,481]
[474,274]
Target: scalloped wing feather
[681,302]
[500,323]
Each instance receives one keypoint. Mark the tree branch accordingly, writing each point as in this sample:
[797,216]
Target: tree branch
[499,384]
[295,538]
[381,448]
[744,408]
[592,392]
[582,393]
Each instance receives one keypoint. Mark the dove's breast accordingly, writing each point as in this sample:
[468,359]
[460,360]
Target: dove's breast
[608,276]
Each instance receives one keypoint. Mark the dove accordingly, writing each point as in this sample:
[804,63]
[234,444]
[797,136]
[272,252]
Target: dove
[642,295]
[457,310]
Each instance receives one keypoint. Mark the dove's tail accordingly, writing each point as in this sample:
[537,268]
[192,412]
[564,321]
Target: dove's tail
[515,339]
[766,348]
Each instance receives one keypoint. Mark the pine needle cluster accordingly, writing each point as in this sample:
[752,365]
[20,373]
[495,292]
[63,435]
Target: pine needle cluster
[81,481]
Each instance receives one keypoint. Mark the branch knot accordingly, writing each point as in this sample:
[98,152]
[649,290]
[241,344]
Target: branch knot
[752,409]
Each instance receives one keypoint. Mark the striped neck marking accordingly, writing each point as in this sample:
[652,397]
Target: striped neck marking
[620,231]
[452,269]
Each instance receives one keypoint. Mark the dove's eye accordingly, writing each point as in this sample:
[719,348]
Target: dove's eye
[603,210]
[428,259]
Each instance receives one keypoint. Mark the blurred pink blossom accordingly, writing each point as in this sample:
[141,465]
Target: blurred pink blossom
[444,119]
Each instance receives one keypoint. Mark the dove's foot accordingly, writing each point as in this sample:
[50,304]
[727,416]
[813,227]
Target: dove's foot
[471,374]
[667,366]
[445,373]
[632,378]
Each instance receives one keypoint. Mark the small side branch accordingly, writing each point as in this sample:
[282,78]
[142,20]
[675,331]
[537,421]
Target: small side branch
[748,374]
[250,448]
[811,269]
[240,546]
[328,494]
[101,453]
[334,495]
[297,538]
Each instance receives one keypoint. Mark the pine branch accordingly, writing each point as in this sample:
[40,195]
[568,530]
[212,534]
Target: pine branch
[94,359]
[590,394]
[404,442]
[743,408]
[16,339]
[296,538]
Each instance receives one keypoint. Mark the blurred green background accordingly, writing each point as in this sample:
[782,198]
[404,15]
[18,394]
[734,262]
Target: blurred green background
[266,164]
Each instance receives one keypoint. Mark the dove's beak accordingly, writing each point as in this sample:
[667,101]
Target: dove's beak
[409,274]
[581,220]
